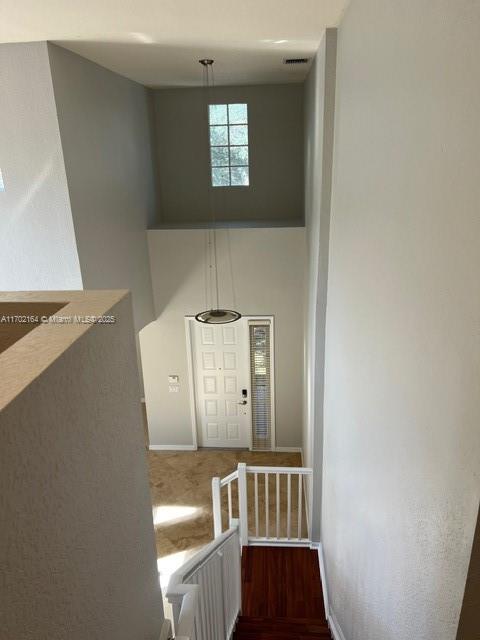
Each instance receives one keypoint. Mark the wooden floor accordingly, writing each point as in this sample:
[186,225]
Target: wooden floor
[281,582]
[281,595]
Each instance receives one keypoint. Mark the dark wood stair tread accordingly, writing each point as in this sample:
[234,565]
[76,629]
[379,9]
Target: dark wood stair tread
[281,595]
[281,633]
[264,628]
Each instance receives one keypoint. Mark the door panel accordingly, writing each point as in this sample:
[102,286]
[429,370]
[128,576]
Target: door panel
[220,358]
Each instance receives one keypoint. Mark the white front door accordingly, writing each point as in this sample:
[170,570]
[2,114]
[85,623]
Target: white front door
[220,361]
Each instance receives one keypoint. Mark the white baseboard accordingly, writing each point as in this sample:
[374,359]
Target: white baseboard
[172,447]
[335,628]
[166,631]
[323,578]
[288,449]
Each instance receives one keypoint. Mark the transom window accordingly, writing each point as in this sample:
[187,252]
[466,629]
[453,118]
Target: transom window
[229,145]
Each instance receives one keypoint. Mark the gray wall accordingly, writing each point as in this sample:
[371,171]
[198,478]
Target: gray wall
[402,408]
[268,268]
[276,155]
[76,511]
[105,126]
[37,239]
[319,120]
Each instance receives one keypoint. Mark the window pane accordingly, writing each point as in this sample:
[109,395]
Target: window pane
[237,114]
[218,136]
[219,156]
[240,176]
[220,177]
[238,155]
[239,134]
[218,113]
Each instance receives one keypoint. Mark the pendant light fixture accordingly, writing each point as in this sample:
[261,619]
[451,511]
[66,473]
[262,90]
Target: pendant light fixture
[215,315]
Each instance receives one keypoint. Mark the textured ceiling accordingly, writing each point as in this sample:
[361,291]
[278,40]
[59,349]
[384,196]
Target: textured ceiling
[158,42]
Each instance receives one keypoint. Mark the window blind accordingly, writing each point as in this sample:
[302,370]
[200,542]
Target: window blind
[260,371]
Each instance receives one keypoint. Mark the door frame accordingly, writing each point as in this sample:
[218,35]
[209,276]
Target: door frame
[191,377]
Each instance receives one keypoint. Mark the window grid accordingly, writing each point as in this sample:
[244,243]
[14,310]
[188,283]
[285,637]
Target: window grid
[229,124]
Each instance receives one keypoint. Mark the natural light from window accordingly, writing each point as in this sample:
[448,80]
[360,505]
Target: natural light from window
[173,514]
[229,145]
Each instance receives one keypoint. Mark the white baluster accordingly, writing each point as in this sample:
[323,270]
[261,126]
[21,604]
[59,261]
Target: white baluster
[217,507]
[242,503]
[289,500]
[277,503]
[230,512]
[256,505]
[267,515]
[201,619]
[300,479]
[310,505]
[222,596]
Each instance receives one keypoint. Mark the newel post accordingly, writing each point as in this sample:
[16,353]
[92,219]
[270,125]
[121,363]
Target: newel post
[217,508]
[242,503]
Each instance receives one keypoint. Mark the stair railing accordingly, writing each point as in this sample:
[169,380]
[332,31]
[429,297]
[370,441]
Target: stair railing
[276,500]
[205,593]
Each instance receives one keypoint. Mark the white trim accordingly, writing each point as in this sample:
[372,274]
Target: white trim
[191,380]
[290,450]
[335,628]
[278,542]
[271,321]
[166,630]
[323,577]
[248,383]
[172,447]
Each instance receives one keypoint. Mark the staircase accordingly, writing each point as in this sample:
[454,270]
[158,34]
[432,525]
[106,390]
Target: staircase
[281,595]
[258,579]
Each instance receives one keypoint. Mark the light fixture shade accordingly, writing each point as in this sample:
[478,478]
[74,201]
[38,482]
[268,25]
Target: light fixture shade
[218,316]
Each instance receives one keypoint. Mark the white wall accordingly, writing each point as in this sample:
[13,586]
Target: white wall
[104,124]
[319,117]
[402,408]
[76,510]
[37,240]
[268,266]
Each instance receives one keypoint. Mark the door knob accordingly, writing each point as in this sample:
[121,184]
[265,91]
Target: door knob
[242,402]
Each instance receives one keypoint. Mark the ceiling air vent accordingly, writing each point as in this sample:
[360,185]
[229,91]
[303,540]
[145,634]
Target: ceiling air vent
[295,61]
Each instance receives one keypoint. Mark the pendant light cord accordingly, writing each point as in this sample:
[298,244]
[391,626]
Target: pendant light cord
[209,84]
[215,315]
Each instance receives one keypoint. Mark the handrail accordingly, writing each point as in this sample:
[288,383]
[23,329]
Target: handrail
[298,502]
[199,558]
[262,469]
[229,478]
[299,471]
[191,587]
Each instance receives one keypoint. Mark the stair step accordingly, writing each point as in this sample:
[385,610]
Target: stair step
[319,622]
[275,635]
[263,628]
[287,628]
